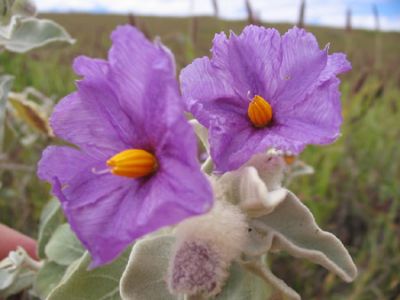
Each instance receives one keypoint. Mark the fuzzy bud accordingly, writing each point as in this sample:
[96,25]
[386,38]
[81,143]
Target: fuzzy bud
[204,250]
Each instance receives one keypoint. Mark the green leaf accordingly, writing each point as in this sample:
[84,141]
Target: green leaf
[98,284]
[48,278]
[64,247]
[5,86]
[261,269]
[145,275]
[32,33]
[243,285]
[50,219]
[294,230]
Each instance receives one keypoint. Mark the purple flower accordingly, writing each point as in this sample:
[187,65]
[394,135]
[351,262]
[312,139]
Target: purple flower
[136,169]
[260,90]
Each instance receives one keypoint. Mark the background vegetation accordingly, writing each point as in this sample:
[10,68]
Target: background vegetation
[354,193]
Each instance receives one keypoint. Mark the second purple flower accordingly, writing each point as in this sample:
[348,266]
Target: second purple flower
[260,90]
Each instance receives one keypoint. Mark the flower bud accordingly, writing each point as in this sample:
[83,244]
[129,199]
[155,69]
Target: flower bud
[204,250]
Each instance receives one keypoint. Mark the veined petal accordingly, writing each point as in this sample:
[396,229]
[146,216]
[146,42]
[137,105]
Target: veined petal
[252,60]
[74,176]
[92,118]
[302,64]
[317,120]
[143,74]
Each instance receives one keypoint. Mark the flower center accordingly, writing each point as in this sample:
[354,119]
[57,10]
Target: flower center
[133,163]
[259,112]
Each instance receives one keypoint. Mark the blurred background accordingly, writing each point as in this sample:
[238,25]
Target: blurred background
[355,191]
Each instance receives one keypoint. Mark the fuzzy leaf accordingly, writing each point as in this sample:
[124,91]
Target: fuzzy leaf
[101,283]
[5,86]
[295,231]
[264,272]
[64,247]
[145,275]
[244,285]
[258,243]
[50,219]
[32,33]
[47,278]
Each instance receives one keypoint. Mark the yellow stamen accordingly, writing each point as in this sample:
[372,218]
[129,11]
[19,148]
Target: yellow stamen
[289,159]
[133,163]
[259,112]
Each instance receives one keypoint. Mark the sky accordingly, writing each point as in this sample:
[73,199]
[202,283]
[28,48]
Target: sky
[318,12]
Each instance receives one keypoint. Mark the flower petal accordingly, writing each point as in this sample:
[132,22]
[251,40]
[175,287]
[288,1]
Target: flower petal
[144,76]
[207,89]
[75,176]
[337,64]
[92,117]
[317,120]
[252,60]
[302,64]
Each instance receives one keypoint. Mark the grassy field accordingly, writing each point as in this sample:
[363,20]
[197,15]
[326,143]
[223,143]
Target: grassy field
[355,192]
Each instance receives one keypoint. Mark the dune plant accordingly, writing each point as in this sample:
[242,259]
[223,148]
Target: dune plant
[145,220]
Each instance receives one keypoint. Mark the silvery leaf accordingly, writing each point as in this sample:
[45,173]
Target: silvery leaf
[295,231]
[264,272]
[50,219]
[258,243]
[101,283]
[48,278]
[30,33]
[63,247]
[243,284]
[145,274]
